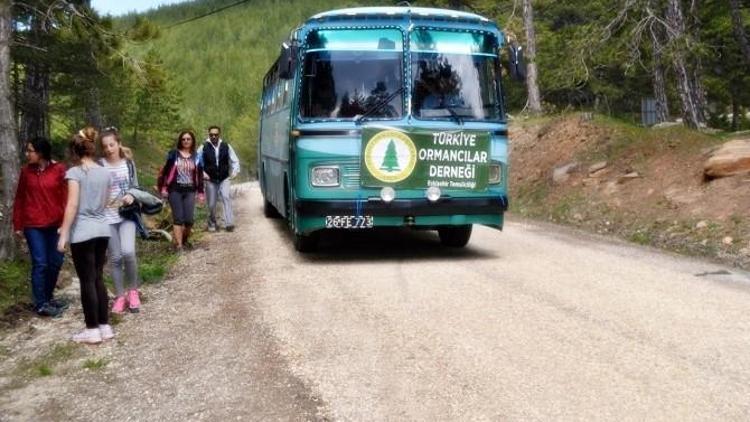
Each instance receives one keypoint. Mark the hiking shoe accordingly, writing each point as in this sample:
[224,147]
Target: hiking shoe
[60,303]
[106,332]
[212,228]
[47,310]
[229,228]
[134,301]
[89,335]
[118,306]
[188,246]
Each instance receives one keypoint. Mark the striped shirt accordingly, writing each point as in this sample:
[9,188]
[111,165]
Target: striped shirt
[117,189]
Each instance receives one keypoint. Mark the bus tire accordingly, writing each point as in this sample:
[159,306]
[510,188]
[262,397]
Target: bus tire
[455,237]
[306,242]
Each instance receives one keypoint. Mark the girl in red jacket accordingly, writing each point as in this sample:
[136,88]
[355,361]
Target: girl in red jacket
[37,215]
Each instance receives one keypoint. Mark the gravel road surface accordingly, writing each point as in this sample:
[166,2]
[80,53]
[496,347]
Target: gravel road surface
[532,323]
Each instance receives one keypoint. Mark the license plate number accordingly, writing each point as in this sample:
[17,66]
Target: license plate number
[349,221]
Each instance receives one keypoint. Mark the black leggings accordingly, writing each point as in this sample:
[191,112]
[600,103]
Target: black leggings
[89,258]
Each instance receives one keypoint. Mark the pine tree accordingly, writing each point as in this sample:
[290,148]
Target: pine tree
[390,161]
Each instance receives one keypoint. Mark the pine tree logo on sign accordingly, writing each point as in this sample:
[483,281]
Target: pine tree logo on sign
[390,156]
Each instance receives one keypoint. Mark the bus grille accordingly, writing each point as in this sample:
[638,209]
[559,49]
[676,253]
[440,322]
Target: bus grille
[350,175]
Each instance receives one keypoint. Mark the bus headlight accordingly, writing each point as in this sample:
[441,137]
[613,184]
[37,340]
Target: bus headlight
[433,193]
[325,176]
[496,174]
[387,194]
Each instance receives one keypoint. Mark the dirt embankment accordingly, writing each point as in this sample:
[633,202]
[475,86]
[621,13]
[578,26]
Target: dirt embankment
[644,185]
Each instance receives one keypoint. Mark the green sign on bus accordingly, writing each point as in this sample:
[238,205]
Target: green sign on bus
[419,159]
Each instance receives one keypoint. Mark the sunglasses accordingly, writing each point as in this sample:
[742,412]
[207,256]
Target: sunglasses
[186,139]
[213,135]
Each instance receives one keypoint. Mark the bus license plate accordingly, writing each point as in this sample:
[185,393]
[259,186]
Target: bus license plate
[348,221]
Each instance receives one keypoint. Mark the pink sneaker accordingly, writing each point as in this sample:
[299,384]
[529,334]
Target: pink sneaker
[134,301]
[118,306]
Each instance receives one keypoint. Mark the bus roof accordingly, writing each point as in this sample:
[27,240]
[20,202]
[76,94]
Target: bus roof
[396,12]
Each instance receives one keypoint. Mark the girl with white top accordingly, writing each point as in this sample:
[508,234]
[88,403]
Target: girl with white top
[117,160]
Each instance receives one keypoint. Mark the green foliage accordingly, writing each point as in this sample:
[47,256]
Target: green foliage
[93,77]
[154,115]
[154,260]
[95,364]
[15,287]
[45,364]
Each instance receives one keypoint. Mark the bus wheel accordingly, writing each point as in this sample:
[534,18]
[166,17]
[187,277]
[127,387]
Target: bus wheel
[306,242]
[455,237]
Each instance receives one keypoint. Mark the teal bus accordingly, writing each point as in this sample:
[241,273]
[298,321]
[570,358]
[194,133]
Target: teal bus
[386,117]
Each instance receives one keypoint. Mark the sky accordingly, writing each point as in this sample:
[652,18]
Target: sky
[121,7]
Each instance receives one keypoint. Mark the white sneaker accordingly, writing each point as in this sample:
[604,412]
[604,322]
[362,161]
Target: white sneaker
[89,335]
[106,332]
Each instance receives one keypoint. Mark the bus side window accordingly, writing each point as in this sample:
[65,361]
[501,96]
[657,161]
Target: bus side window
[278,95]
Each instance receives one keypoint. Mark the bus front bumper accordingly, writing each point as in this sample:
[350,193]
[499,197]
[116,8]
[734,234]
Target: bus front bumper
[445,206]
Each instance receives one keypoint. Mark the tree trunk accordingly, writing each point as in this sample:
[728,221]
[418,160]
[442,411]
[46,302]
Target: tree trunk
[93,109]
[35,99]
[659,78]
[660,91]
[739,30]
[690,95]
[697,90]
[9,161]
[35,103]
[532,84]
[735,113]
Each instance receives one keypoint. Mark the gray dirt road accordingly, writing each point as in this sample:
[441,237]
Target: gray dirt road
[534,323]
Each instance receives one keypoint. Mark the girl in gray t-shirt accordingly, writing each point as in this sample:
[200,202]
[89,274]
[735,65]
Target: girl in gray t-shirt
[87,231]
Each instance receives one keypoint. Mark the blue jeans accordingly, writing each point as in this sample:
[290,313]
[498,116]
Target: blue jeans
[46,262]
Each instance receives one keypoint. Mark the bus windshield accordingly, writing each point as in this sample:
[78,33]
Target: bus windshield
[454,75]
[349,73]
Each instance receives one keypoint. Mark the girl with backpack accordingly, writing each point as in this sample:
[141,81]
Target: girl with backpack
[118,161]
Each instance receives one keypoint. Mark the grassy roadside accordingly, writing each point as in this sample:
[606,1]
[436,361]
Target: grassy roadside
[155,259]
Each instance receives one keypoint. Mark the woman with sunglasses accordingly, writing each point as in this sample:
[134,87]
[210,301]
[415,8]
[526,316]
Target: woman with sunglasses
[38,211]
[179,181]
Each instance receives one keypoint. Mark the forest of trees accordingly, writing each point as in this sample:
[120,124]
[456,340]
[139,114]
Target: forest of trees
[63,66]
[690,56]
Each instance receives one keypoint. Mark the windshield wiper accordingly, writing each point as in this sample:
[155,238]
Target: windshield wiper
[377,106]
[454,115]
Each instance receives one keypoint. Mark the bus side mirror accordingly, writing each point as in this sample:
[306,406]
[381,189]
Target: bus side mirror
[287,60]
[517,64]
